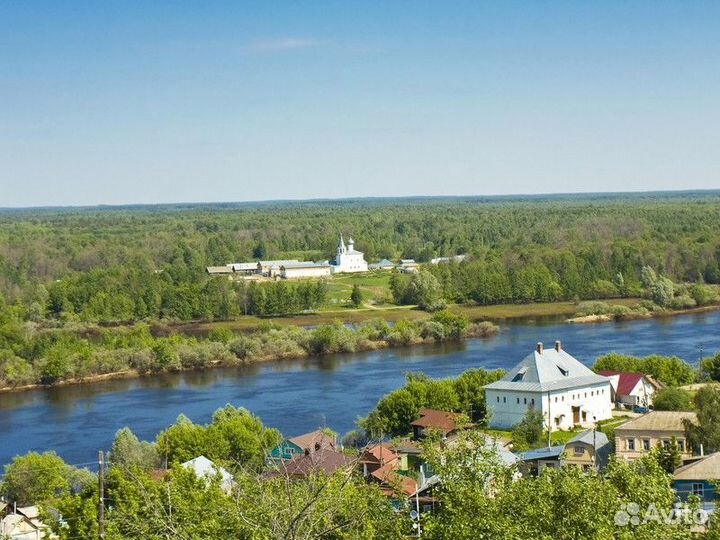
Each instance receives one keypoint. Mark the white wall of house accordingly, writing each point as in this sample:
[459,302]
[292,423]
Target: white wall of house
[507,408]
[642,394]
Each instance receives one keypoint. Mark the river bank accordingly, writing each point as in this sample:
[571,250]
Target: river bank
[297,396]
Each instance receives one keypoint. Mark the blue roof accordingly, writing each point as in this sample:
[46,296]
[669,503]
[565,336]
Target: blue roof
[542,453]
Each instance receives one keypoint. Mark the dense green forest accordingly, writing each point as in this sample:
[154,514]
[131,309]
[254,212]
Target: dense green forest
[121,264]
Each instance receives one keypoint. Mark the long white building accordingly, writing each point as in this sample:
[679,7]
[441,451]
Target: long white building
[565,391]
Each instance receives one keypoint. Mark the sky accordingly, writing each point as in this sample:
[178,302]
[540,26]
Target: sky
[118,102]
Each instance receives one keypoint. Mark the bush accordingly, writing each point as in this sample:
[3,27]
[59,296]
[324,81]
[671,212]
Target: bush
[586,309]
[672,399]
[482,329]
[683,302]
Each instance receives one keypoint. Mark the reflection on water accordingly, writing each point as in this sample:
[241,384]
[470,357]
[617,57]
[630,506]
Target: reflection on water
[301,395]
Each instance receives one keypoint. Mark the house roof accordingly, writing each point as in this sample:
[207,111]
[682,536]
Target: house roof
[379,453]
[313,440]
[542,453]
[707,468]
[204,468]
[306,265]
[587,438]
[547,370]
[442,420]
[659,421]
[218,270]
[626,381]
[324,460]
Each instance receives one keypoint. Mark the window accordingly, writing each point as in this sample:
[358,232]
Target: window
[498,399]
[518,401]
[666,444]
[579,450]
[555,399]
[681,445]
[524,401]
[585,394]
[698,489]
[630,443]
[646,445]
[504,399]
[532,401]
[592,393]
[562,399]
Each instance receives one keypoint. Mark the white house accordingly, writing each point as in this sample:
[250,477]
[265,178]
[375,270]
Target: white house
[305,270]
[348,259]
[632,388]
[565,391]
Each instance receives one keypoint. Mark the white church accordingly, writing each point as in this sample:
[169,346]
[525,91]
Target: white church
[549,380]
[347,259]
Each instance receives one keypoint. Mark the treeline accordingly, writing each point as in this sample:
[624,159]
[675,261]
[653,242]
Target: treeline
[29,356]
[122,264]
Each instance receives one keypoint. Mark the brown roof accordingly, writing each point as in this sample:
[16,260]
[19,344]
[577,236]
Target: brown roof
[707,468]
[324,460]
[379,453]
[442,420]
[393,482]
[314,440]
[659,421]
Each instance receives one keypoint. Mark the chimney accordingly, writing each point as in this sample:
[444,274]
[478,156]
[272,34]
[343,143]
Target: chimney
[558,346]
[539,347]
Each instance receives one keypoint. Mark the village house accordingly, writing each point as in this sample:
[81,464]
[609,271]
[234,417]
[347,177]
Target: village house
[219,270]
[699,478]
[322,460]
[443,422]
[302,444]
[446,260]
[632,389]
[566,392]
[533,462]
[22,523]
[640,435]
[587,451]
[348,259]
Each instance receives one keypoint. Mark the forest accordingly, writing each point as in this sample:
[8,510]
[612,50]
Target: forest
[147,263]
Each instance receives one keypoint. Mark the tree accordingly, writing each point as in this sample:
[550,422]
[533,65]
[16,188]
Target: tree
[663,292]
[707,430]
[710,368]
[35,478]
[356,297]
[529,430]
[672,399]
[669,456]
[128,451]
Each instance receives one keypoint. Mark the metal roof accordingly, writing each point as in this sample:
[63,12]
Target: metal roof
[547,370]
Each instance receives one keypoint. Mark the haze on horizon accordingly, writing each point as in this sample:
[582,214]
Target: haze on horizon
[135,102]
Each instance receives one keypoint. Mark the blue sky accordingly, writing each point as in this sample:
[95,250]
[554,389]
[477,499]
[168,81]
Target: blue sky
[141,102]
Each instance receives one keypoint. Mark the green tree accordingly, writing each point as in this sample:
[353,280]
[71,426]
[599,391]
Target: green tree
[706,431]
[128,451]
[35,478]
[529,430]
[672,399]
[356,297]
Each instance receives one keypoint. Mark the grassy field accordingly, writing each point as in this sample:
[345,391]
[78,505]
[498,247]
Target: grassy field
[375,287]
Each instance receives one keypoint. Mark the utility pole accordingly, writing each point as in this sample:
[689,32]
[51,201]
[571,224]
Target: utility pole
[101,500]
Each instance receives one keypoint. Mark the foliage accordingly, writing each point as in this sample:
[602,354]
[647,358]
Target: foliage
[356,296]
[710,368]
[233,438]
[35,478]
[706,431]
[129,452]
[671,371]
[395,411]
[529,430]
[672,399]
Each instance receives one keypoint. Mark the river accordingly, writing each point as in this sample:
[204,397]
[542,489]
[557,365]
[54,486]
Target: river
[301,395]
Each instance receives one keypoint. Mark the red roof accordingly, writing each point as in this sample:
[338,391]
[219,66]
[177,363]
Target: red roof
[441,420]
[626,381]
[379,453]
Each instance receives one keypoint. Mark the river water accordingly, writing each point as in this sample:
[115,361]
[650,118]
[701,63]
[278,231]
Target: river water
[302,395]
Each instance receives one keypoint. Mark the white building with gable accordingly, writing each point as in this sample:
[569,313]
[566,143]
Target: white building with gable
[563,389]
[348,259]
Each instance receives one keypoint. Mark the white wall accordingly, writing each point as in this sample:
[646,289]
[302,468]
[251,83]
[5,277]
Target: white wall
[508,408]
